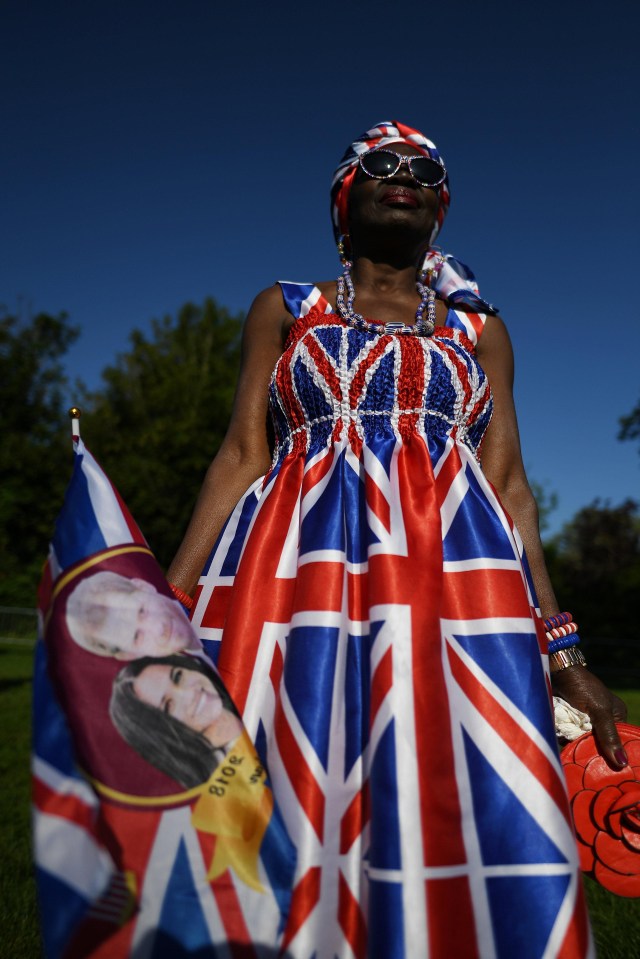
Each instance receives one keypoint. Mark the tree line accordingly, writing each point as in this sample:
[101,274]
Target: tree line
[157,420]
[154,424]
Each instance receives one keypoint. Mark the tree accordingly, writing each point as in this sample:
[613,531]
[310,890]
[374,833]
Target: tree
[35,452]
[594,564]
[161,415]
[630,425]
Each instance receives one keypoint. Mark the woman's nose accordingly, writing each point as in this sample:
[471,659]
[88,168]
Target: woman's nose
[404,171]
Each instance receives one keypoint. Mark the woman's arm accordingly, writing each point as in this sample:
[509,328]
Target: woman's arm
[244,454]
[503,467]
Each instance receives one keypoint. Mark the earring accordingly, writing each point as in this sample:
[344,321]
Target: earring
[343,247]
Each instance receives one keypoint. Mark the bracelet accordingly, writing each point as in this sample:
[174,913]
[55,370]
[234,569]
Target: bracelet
[560,619]
[566,642]
[562,632]
[184,598]
[565,658]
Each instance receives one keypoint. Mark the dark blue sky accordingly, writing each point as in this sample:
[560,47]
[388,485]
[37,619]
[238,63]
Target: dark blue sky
[158,152]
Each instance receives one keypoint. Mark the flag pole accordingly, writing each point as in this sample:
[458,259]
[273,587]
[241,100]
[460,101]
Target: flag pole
[74,415]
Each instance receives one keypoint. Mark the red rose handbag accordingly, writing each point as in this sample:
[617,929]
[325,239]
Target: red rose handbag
[606,811]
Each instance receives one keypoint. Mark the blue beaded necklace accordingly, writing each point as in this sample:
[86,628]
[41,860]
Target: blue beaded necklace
[422,327]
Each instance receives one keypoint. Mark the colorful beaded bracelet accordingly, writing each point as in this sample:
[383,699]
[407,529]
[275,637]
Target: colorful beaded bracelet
[560,619]
[565,643]
[561,631]
[184,598]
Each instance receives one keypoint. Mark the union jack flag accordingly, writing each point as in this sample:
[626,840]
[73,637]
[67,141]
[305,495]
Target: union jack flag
[136,870]
[369,608]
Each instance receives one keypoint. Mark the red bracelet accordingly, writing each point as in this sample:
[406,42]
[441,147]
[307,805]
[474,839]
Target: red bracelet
[180,594]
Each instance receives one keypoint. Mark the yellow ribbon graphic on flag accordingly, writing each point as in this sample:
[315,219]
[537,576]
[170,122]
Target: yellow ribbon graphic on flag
[235,805]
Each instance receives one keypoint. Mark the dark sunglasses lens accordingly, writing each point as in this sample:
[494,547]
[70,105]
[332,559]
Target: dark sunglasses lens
[427,171]
[379,164]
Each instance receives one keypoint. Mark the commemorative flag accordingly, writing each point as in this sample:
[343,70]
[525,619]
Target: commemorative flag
[155,829]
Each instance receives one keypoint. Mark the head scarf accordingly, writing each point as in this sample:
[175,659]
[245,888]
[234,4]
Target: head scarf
[378,136]
[450,278]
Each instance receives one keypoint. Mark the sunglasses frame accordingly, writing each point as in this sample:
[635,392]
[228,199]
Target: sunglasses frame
[403,158]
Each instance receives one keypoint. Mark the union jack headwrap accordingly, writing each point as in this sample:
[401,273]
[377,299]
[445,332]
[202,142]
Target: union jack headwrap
[382,134]
[450,278]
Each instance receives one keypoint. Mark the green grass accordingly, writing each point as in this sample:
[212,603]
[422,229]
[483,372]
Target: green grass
[616,921]
[632,699]
[18,918]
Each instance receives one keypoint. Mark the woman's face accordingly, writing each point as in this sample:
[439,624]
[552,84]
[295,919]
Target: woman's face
[186,694]
[397,201]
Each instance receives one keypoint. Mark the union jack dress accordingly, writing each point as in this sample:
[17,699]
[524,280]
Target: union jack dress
[369,608]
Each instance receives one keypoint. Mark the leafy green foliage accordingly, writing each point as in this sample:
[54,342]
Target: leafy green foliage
[630,425]
[594,565]
[35,452]
[161,415]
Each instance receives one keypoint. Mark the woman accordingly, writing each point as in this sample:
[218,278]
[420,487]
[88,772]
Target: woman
[372,601]
[176,715]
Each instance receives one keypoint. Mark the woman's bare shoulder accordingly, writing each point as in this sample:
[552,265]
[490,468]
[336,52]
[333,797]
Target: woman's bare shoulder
[267,317]
[328,289]
[495,335]
[494,350]
[268,301]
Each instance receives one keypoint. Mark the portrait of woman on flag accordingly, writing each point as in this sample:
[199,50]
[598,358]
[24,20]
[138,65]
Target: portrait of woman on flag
[176,714]
[130,671]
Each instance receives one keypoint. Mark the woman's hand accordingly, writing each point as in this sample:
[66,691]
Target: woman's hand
[586,692]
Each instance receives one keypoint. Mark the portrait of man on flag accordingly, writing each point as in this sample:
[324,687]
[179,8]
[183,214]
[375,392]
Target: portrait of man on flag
[126,617]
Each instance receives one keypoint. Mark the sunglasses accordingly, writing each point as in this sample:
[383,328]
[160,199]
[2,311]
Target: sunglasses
[382,164]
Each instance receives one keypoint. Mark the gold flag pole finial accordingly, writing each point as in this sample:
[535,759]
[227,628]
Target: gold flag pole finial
[74,415]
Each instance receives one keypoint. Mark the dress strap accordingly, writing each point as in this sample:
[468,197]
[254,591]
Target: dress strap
[471,324]
[299,298]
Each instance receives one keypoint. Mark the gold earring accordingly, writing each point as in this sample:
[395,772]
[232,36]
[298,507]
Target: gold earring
[343,240]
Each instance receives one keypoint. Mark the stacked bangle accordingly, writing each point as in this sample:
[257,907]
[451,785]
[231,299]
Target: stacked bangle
[555,645]
[184,598]
[560,619]
[562,632]
[562,635]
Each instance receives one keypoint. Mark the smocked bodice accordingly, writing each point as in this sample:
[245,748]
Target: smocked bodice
[334,382]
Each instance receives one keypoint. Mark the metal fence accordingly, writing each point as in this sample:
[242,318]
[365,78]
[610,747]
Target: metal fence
[18,625]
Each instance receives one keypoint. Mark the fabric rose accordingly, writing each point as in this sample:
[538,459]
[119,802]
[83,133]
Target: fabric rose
[606,811]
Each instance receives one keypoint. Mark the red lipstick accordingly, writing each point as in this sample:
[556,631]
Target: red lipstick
[398,195]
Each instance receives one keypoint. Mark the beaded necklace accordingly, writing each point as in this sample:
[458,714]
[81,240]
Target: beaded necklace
[422,327]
